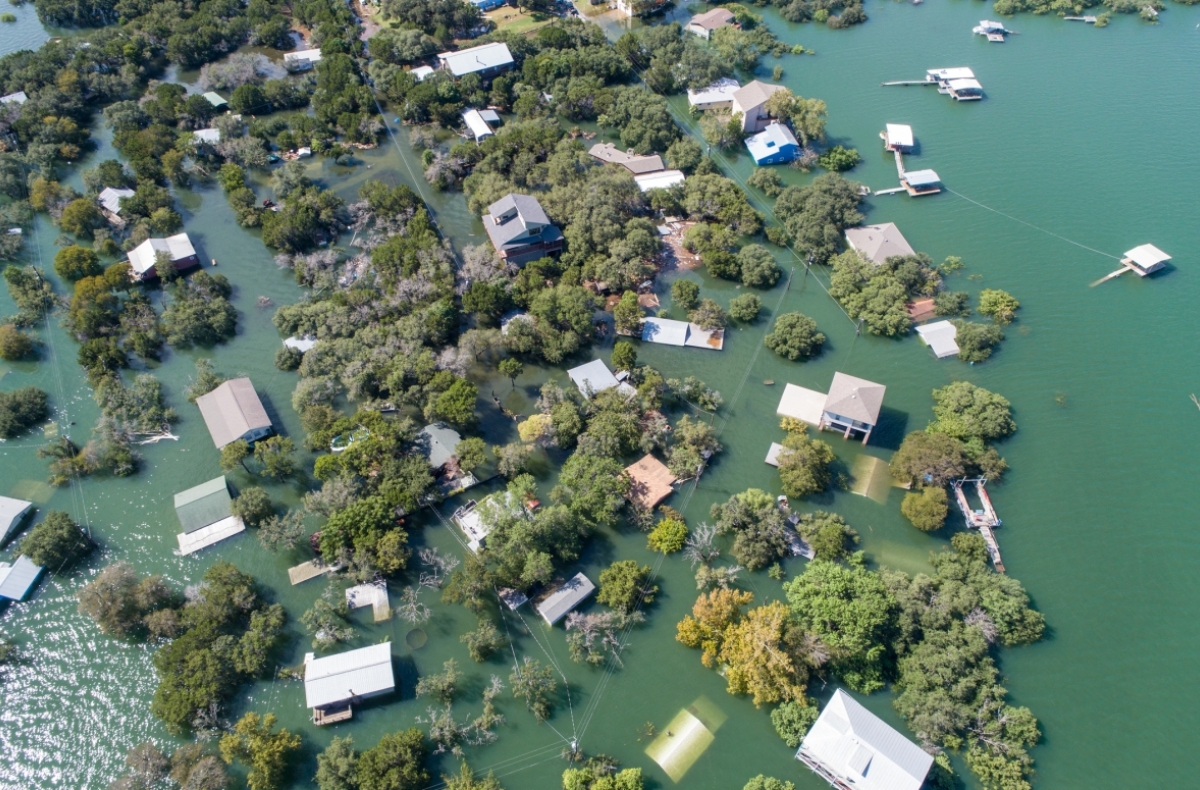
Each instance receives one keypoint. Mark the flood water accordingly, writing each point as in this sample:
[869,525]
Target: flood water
[1079,144]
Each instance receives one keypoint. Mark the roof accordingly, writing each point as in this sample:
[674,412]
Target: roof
[301,344]
[773,454]
[1147,255]
[143,257]
[634,163]
[343,676]
[207,135]
[421,72]
[14,98]
[861,749]
[471,517]
[755,93]
[512,216]
[900,134]
[307,55]
[652,482]
[232,410]
[18,578]
[951,74]
[665,331]
[593,377]
[110,198]
[711,20]
[918,178]
[513,599]
[476,124]
[801,404]
[879,242]
[437,443]
[855,398]
[11,513]
[481,58]
[964,85]
[770,141]
[559,603]
[720,91]
[215,99]
[203,505]
[191,542]
[491,116]
[662,180]
[939,336]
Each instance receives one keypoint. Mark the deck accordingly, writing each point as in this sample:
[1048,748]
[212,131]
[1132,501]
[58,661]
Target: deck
[985,520]
[323,716]
[374,595]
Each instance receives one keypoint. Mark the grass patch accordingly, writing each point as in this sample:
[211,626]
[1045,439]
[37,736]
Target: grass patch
[515,21]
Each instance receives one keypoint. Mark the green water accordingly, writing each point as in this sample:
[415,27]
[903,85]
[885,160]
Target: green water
[1084,132]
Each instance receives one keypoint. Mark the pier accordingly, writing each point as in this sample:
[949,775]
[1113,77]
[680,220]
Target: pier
[1091,20]
[984,520]
[926,83]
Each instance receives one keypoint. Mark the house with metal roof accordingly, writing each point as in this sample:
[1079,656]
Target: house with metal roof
[12,513]
[476,125]
[144,257]
[302,60]
[486,60]
[520,230]
[562,601]
[664,179]
[898,137]
[207,136]
[717,96]
[17,578]
[437,443]
[215,99]
[852,405]
[853,749]
[921,182]
[596,377]
[877,243]
[704,24]
[110,198]
[206,514]
[669,332]
[774,145]
[421,72]
[751,102]
[634,163]
[940,337]
[1145,259]
[339,680]
[19,97]
[233,411]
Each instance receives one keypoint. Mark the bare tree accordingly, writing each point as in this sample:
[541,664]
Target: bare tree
[700,546]
[411,608]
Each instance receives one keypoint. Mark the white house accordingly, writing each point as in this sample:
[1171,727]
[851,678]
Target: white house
[476,125]
[179,249]
[717,96]
[302,60]
[485,60]
[664,179]
[12,512]
[850,747]
[750,101]
[421,72]
[596,377]
[343,678]
[940,336]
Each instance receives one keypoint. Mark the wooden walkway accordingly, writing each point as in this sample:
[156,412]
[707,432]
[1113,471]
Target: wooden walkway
[374,595]
[984,520]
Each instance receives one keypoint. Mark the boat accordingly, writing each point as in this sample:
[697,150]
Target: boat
[992,31]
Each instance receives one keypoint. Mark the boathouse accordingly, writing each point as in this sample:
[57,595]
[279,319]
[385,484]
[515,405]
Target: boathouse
[651,482]
[144,257]
[669,332]
[850,747]
[233,411]
[596,377]
[717,96]
[940,337]
[704,24]
[751,102]
[562,601]
[333,683]
[898,137]
[1145,259]
[852,406]
[774,145]
[965,89]
[18,577]
[12,513]
[877,243]
[634,163]
[921,182]
[520,230]
[486,60]
[206,514]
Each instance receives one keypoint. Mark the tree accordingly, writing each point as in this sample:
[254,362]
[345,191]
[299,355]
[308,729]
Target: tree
[206,381]
[253,506]
[708,315]
[233,454]
[758,658]
[80,217]
[14,344]
[839,159]
[792,720]
[465,779]
[593,488]
[337,766]
[120,603]
[511,368]
[927,510]
[624,356]
[254,743]
[767,180]
[326,620]
[395,763]
[745,308]
[966,412]
[484,641]
[758,266]
[761,782]
[456,404]
[999,305]
[22,409]
[804,465]
[511,458]
[685,294]
[794,336]
[471,453]
[536,685]
[75,262]
[929,459]
[976,341]
[275,454]
[281,532]
[56,543]
[816,215]
[807,116]
[830,537]
[668,536]
[627,314]
[623,585]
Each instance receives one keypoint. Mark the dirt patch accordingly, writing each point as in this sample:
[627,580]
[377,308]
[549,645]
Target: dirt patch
[675,256]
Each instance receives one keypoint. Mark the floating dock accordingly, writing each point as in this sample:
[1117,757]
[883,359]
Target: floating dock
[984,520]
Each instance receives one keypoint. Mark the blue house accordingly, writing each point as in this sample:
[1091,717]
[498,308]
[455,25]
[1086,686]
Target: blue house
[774,145]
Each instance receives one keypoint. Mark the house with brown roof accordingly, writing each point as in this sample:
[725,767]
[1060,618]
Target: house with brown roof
[750,101]
[634,163]
[233,411]
[704,24]
[651,482]
[877,243]
[852,405]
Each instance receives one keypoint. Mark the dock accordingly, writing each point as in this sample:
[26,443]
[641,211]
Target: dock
[1091,20]
[892,191]
[323,716]
[374,595]
[906,82]
[984,520]
[310,570]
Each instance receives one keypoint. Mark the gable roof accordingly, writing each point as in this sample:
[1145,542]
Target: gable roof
[110,198]
[921,178]
[18,578]
[711,20]
[437,442]
[476,124]
[480,58]
[204,504]
[232,410]
[855,398]
[1147,255]
[211,136]
[720,91]
[559,603]
[344,676]
[651,481]
[593,377]
[302,56]
[214,98]
[940,337]
[879,242]
[11,513]
[143,257]
[858,747]
[755,93]
[529,216]
[634,163]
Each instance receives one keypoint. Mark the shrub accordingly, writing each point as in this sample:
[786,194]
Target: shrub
[685,294]
[623,584]
[976,341]
[57,542]
[839,159]
[22,409]
[668,536]
[926,510]
[75,262]
[14,344]
[792,720]
[288,358]
[745,308]
[999,305]
[794,336]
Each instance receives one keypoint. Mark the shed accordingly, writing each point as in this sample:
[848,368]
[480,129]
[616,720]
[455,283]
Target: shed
[14,98]
[110,198]
[421,72]
[664,179]
[853,404]
[233,411]
[476,125]
[302,60]
[898,137]
[491,116]
[774,145]
[202,505]
[1146,259]
[513,599]
[939,336]
[715,96]
[559,603]
[666,331]
[651,482]
[849,746]
[18,578]
[348,676]
[437,442]
[801,404]
[965,89]
[878,242]
[208,136]
[12,511]
[485,59]
[595,377]
[215,99]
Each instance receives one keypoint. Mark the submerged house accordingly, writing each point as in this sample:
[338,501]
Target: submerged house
[751,102]
[206,514]
[774,145]
[12,513]
[486,60]
[562,601]
[650,482]
[851,406]
[960,83]
[302,60]
[437,442]
[664,179]
[520,230]
[178,249]
[704,24]
[669,332]
[596,377]
[877,243]
[333,683]
[479,123]
[233,411]
[478,519]
[717,96]
[940,336]
[853,749]
[110,204]
[18,577]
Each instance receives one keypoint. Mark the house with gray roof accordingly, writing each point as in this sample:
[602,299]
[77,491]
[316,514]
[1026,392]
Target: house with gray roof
[853,749]
[233,411]
[520,230]
[877,243]
[596,377]
[344,678]
[852,405]
[438,442]
[704,24]
[751,101]
[110,198]
[17,578]
[634,163]
[12,513]
[486,60]
[562,601]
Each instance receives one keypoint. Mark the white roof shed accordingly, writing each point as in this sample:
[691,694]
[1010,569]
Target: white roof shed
[663,179]
[560,603]
[347,676]
[595,377]
[899,134]
[476,124]
[940,337]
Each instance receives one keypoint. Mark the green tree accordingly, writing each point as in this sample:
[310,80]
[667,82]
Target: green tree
[395,763]
[792,720]
[276,456]
[22,409]
[929,459]
[471,453]
[255,743]
[120,602]
[976,341]
[839,159]
[745,308]
[668,536]
[965,411]
[484,641]
[804,465]
[623,584]
[465,779]
[794,336]
[253,506]
[75,262]
[337,766]
[685,294]
[80,217]
[456,404]
[830,537]
[816,215]
[56,543]
[14,344]
[999,305]
[761,782]
[708,315]
[592,488]
[767,180]
[235,453]
[511,368]
[206,381]
[627,314]
[927,509]
[757,266]
[624,356]
[535,684]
